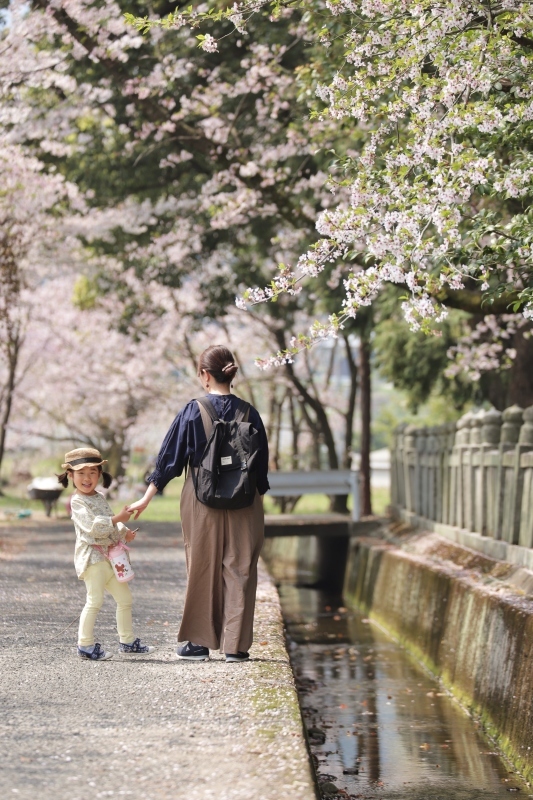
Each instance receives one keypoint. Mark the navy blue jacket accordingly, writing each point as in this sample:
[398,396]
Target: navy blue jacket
[185,441]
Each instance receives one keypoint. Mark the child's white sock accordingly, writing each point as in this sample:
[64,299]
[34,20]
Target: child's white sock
[89,649]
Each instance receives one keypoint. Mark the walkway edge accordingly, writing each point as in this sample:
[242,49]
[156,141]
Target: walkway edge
[276,698]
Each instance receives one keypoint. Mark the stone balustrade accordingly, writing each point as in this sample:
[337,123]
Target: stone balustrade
[476,474]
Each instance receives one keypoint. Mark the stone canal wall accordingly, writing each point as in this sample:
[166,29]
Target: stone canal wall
[467,617]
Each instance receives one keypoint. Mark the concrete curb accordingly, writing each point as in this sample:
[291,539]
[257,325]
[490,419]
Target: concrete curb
[460,614]
[147,729]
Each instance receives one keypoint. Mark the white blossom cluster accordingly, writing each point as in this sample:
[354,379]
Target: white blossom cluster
[487,347]
[318,332]
[443,79]
[209,44]
[435,195]
[446,93]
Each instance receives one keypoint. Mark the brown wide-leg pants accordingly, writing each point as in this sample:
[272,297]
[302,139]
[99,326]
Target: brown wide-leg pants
[222,549]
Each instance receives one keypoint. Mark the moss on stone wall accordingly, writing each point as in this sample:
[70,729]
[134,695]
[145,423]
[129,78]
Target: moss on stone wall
[477,637]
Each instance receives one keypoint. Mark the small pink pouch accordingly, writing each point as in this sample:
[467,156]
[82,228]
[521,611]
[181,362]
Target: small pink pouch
[118,557]
[120,561]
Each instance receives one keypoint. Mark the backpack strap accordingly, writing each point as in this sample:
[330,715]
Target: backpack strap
[241,415]
[243,411]
[208,414]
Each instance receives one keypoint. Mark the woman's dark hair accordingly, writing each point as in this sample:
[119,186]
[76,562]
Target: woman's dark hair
[107,479]
[219,362]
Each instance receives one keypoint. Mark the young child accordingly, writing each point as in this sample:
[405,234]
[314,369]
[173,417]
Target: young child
[97,527]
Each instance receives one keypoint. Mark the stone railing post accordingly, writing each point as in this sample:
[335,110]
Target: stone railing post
[409,459]
[397,467]
[393,461]
[421,474]
[462,444]
[476,499]
[491,427]
[431,466]
[448,473]
[525,537]
[510,496]
[393,449]
[490,461]
[476,474]
[440,443]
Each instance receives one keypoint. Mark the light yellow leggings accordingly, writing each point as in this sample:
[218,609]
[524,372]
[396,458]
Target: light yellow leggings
[99,577]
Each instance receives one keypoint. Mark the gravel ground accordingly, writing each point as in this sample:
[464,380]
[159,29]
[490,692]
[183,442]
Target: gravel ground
[148,727]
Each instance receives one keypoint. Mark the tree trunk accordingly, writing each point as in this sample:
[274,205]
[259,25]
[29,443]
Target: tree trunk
[339,503]
[277,433]
[513,386]
[521,373]
[12,321]
[350,411]
[271,413]
[308,399]
[245,379]
[314,430]
[366,419]
[8,393]
[321,416]
[331,364]
[295,429]
[289,503]
[117,457]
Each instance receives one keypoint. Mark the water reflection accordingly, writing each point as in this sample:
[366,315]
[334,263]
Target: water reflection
[378,725]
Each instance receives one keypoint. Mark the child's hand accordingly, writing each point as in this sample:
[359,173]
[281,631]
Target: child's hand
[122,516]
[130,535]
[138,507]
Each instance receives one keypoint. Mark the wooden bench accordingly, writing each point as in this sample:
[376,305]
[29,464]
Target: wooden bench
[339,481]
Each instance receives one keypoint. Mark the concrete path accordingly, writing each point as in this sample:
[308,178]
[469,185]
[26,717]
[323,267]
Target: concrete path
[145,728]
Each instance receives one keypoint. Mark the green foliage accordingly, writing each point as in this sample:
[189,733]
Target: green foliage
[85,293]
[436,410]
[415,362]
[116,165]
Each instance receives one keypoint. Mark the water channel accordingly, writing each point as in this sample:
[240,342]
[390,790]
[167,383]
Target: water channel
[380,726]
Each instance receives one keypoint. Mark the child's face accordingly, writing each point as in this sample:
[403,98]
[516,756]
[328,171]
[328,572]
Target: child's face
[86,479]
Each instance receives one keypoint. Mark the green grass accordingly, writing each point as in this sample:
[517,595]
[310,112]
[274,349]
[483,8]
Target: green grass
[165,508]
[380,501]
[15,501]
[319,503]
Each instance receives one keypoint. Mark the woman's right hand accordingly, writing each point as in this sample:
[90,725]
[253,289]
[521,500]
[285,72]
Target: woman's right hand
[122,516]
[138,507]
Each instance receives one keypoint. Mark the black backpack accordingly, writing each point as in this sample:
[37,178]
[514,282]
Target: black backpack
[226,475]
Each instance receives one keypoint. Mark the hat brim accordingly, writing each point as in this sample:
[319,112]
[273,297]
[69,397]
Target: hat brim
[76,467]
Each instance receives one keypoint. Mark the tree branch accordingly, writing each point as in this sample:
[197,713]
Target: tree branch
[477,303]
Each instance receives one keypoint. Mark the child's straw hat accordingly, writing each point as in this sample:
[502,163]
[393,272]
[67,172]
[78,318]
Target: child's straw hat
[82,457]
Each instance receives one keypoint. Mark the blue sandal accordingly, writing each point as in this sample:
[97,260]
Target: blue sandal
[135,648]
[98,653]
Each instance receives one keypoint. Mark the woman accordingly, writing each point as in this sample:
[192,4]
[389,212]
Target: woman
[221,546]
